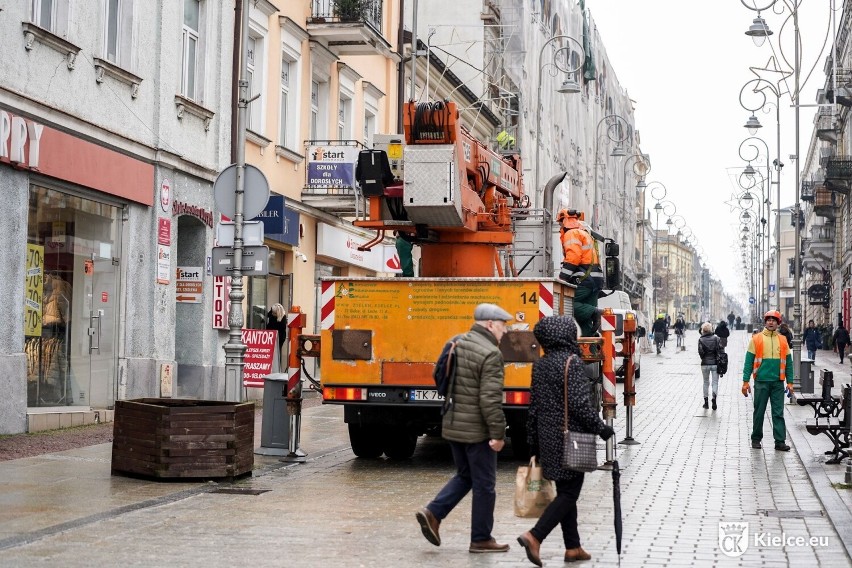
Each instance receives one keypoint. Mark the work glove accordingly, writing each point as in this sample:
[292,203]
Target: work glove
[746,389]
[790,388]
[607,432]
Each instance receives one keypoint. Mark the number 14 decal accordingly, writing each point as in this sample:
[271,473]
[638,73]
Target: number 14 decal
[529,298]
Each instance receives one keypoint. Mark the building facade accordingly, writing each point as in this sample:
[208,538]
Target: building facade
[113,125]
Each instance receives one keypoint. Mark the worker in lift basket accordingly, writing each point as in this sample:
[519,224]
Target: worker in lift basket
[582,268]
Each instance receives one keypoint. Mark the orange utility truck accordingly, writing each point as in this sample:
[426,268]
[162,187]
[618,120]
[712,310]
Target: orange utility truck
[462,204]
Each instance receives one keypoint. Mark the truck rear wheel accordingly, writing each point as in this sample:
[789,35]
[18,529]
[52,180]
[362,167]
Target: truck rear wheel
[399,445]
[365,440]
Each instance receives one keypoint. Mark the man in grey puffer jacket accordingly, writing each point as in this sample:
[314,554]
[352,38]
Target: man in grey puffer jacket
[475,426]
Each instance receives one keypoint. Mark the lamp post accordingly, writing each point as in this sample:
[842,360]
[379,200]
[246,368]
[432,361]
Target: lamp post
[759,87]
[761,30]
[570,85]
[641,167]
[618,131]
[754,179]
[658,192]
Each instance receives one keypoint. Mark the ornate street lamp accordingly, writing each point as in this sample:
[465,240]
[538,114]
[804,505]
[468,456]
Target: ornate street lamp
[618,131]
[553,67]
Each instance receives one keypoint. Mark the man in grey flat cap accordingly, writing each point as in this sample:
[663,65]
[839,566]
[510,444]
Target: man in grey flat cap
[475,426]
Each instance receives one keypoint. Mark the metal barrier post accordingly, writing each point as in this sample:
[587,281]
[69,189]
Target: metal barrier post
[629,374]
[295,324]
[608,386]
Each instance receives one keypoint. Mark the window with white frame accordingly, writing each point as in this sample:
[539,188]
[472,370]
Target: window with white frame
[371,111]
[289,109]
[285,118]
[254,77]
[344,112]
[51,15]
[189,86]
[322,61]
[118,30]
[314,110]
[369,128]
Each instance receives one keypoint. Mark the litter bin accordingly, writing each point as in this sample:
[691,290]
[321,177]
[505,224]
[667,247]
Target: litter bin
[275,425]
[806,376]
[750,328]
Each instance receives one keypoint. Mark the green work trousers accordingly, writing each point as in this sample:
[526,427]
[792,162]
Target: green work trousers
[773,393]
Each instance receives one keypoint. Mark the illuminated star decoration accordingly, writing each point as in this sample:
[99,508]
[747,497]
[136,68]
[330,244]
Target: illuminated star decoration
[769,73]
[734,203]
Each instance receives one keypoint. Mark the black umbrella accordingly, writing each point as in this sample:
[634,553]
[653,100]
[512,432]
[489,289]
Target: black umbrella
[616,499]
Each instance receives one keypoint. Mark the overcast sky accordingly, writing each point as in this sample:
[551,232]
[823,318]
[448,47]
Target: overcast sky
[684,68]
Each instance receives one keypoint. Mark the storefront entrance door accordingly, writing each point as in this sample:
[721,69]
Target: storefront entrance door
[102,332]
[72,338]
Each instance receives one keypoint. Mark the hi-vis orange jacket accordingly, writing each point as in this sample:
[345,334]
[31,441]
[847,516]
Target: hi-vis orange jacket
[581,258]
[768,358]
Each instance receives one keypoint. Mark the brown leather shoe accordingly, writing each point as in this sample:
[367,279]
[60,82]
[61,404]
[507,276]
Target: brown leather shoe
[531,545]
[429,525]
[575,554]
[488,546]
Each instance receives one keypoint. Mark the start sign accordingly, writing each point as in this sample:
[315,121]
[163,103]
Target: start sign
[188,284]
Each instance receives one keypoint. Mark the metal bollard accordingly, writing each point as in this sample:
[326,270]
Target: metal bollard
[609,404]
[295,324]
[629,373]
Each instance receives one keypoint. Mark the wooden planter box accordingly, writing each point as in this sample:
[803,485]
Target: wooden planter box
[177,438]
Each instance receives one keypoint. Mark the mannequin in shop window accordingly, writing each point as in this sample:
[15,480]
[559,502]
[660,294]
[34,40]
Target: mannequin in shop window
[47,356]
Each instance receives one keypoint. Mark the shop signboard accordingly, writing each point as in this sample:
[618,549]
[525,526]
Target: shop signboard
[34,290]
[260,350]
[164,231]
[338,244]
[164,264]
[189,284]
[221,301]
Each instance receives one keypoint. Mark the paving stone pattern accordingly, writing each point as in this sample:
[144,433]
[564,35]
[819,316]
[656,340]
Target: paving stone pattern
[693,469]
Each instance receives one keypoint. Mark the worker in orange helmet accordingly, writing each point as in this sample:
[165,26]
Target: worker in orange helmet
[581,267]
[770,361]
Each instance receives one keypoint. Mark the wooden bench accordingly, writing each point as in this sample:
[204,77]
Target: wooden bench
[824,405]
[836,428]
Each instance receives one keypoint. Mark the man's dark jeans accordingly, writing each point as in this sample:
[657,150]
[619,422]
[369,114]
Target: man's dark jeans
[562,511]
[476,468]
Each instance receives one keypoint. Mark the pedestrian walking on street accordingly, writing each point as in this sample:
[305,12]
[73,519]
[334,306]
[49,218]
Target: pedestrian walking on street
[475,426]
[841,340]
[557,335]
[659,331]
[709,346]
[769,360]
[731,319]
[723,332]
[785,330]
[812,339]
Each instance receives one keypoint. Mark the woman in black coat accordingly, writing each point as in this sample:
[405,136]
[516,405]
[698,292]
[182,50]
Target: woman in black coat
[722,332]
[558,337]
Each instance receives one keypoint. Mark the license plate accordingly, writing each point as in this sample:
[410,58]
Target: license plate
[424,395]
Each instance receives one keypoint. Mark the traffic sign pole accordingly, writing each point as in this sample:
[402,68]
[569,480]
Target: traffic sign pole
[235,349]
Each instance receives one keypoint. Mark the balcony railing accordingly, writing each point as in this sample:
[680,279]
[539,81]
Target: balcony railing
[366,11]
[808,188]
[837,167]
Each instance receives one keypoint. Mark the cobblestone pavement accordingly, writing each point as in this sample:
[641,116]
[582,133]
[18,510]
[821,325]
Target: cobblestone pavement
[693,469]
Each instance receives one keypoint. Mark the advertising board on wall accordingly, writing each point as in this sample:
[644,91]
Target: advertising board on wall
[331,167]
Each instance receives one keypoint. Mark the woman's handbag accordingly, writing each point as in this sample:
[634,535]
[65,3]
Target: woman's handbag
[578,448]
[533,493]
[721,363]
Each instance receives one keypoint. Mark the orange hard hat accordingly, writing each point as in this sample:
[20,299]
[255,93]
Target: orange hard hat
[773,314]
